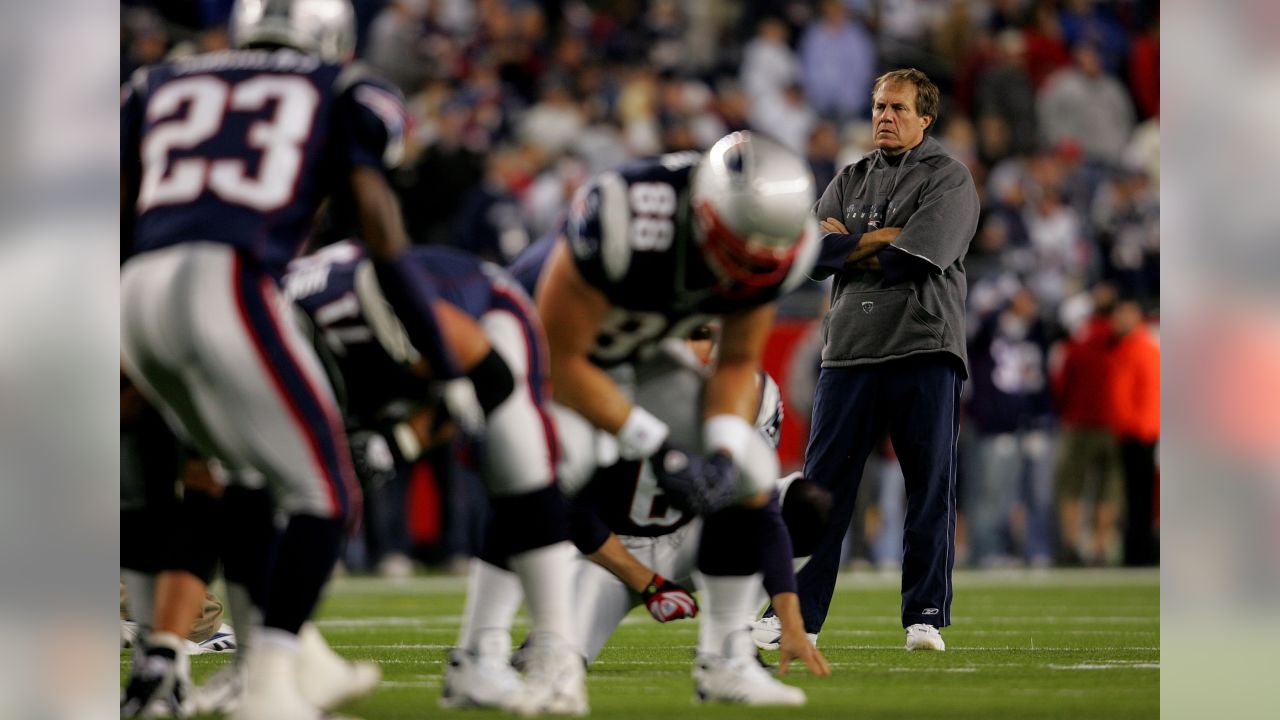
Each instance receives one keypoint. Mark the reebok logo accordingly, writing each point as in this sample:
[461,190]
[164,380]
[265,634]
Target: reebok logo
[929,611]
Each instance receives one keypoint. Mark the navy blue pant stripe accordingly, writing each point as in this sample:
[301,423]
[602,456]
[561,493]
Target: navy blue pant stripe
[295,387]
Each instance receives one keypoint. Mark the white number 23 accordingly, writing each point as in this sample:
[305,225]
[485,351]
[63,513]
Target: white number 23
[208,100]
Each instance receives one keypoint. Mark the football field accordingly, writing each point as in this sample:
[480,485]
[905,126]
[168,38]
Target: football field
[1049,644]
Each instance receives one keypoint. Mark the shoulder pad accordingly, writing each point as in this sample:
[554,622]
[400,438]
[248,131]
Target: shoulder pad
[597,226]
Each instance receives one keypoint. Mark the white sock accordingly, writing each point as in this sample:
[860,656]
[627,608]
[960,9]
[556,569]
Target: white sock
[493,596]
[727,602]
[245,617]
[546,574]
[140,601]
[140,591]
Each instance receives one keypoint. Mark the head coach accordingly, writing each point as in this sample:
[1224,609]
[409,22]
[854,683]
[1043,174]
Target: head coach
[898,223]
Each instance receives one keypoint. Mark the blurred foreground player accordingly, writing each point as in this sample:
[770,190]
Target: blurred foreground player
[630,549]
[225,158]
[652,250]
[504,408]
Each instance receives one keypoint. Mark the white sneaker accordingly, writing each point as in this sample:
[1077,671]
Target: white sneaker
[222,692]
[767,633]
[481,677]
[271,689]
[554,681]
[736,677]
[222,640]
[924,637]
[325,678]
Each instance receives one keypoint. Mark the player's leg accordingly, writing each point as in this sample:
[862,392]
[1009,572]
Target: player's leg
[479,672]
[261,392]
[155,348]
[529,525]
[729,562]
[844,431]
[602,602]
[924,427]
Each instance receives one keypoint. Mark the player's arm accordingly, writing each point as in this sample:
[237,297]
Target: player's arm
[439,334]
[731,401]
[794,644]
[665,600]
[615,558]
[572,312]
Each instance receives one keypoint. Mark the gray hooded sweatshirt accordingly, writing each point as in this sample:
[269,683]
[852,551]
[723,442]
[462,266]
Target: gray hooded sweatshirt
[919,307]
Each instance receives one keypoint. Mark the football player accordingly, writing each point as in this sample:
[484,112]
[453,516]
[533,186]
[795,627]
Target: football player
[639,548]
[653,250]
[503,400]
[225,158]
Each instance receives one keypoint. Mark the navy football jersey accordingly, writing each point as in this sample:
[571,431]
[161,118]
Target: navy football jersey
[631,235]
[337,288]
[240,147]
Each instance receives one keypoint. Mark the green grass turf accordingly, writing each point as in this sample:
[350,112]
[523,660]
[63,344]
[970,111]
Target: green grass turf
[1060,644]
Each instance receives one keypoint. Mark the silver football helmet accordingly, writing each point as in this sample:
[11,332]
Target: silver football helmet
[326,28]
[752,201]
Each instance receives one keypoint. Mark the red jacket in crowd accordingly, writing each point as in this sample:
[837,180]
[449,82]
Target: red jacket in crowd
[1135,385]
[1080,386]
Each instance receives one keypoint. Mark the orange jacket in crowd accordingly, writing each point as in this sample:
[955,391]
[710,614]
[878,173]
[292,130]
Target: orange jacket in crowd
[1135,385]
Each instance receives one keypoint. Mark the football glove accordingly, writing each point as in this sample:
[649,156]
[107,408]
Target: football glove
[696,484]
[668,601]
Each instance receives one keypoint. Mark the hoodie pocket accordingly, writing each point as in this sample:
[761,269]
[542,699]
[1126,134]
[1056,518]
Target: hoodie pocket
[880,324]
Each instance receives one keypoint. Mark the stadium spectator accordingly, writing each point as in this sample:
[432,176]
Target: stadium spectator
[769,66]
[1046,49]
[1088,465]
[1011,414]
[1144,71]
[1126,217]
[788,118]
[837,61]
[1135,393]
[1004,95]
[1091,22]
[396,47]
[1085,104]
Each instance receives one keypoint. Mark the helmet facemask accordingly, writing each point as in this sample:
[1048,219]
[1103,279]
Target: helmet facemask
[751,202]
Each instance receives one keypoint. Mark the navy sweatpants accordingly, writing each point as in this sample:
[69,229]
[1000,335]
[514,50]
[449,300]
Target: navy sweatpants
[918,401]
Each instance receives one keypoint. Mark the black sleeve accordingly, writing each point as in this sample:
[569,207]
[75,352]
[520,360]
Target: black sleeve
[587,531]
[775,552]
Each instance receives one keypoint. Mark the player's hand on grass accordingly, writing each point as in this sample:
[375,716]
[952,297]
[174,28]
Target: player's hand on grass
[694,483]
[668,601]
[795,645]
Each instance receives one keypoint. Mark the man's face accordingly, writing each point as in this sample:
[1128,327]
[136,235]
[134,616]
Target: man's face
[894,121]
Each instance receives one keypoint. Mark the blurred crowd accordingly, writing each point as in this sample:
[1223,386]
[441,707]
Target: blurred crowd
[1052,104]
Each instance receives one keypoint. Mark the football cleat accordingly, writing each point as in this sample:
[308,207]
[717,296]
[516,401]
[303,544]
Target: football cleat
[737,677]
[159,684]
[271,688]
[767,633]
[924,637]
[328,680]
[481,677]
[554,681]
